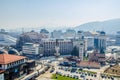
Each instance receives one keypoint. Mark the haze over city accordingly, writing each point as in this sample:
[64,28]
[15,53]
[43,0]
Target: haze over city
[59,40]
[55,13]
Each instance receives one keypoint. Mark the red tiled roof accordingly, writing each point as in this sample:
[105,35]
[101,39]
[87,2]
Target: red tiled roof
[100,55]
[8,58]
[89,64]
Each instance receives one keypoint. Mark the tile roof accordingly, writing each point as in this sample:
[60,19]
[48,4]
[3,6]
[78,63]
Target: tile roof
[9,58]
[89,64]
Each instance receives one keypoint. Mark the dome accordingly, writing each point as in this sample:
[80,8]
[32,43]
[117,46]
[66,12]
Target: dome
[79,31]
[102,33]
[44,31]
[32,31]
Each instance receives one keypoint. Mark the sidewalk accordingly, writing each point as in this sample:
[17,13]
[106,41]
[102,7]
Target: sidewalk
[47,75]
[45,79]
[35,73]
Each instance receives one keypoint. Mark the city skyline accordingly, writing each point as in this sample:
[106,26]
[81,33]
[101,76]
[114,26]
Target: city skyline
[59,40]
[54,13]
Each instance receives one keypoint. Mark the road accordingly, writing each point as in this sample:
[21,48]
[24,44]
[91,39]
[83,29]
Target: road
[35,73]
[54,62]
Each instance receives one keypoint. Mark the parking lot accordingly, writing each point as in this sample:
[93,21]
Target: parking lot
[78,73]
[84,74]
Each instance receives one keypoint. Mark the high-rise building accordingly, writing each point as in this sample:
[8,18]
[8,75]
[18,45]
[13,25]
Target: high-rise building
[118,38]
[56,34]
[89,37]
[79,34]
[31,49]
[100,42]
[65,46]
[81,46]
[111,42]
[90,43]
[69,33]
[81,51]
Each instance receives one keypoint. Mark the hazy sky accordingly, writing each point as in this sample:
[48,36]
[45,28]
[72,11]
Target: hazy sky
[36,13]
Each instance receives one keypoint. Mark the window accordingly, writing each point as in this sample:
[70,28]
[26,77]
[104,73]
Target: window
[8,65]
[113,70]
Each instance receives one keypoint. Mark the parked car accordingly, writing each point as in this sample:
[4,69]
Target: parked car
[51,70]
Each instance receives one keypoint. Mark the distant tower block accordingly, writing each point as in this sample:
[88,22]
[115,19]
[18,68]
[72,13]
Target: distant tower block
[81,51]
[118,38]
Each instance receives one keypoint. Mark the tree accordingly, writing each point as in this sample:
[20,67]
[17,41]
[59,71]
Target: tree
[102,51]
[75,51]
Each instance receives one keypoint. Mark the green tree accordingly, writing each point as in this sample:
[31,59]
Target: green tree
[75,51]
[102,51]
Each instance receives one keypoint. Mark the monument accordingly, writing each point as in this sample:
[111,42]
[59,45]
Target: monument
[57,48]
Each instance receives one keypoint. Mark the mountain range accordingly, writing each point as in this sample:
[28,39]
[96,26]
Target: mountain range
[109,26]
